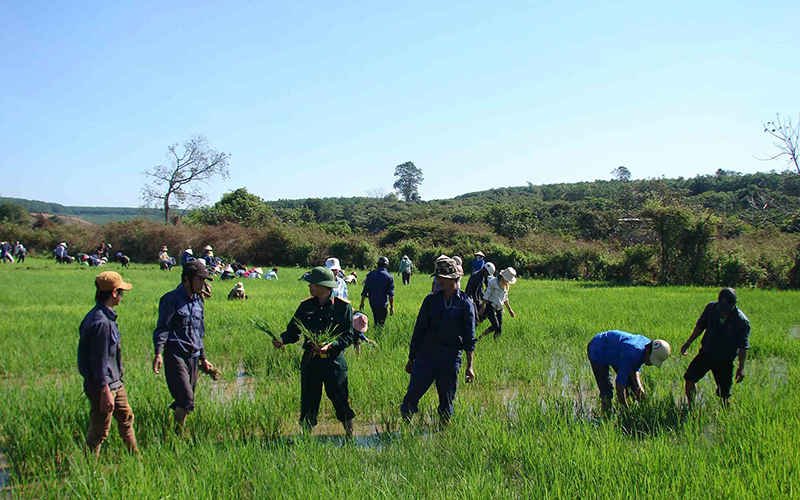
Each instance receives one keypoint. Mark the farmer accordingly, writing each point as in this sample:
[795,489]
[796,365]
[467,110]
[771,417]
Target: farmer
[360,326]
[187,256]
[5,252]
[406,268]
[477,262]
[445,326]
[100,365]
[476,285]
[460,269]
[379,287]
[435,283]
[625,353]
[495,297]
[178,338]
[61,253]
[336,269]
[322,365]
[20,252]
[208,256]
[271,274]
[164,260]
[727,336]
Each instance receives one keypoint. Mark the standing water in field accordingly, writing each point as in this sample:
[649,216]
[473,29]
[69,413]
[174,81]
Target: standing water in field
[242,387]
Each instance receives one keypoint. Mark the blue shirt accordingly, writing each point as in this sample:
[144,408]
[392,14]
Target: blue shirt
[723,340]
[341,288]
[99,359]
[186,257]
[378,286]
[622,351]
[181,324]
[477,264]
[443,324]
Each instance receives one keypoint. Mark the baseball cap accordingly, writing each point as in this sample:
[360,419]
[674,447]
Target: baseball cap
[196,268]
[660,353]
[726,300]
[321,276]
[110,280]
[360,322]
[509,274]
[333,264]
[446,268]
[489,266]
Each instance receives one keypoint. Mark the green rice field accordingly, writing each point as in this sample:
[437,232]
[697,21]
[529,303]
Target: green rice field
[528,427]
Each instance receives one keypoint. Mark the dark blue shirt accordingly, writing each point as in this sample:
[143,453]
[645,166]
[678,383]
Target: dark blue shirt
[622,351]
[477,264]
[181,326]
[475,287]
[378,286]
[61,251]
[448,324]
[723,340]
[99,359]
[186,257]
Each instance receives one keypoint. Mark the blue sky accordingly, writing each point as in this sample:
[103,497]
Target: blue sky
[316,99]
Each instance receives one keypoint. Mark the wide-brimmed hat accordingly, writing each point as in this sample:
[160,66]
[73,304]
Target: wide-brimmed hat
[110,280]
[660,352]
[63,244]
[458,260]
[509,274]
[447,268]
[360,322]
[333,264]
[229,269]
[726,300]
[196,268]
[164,248]
[239,286]
[321,276]
[480,254]
[207,247]
[489,266]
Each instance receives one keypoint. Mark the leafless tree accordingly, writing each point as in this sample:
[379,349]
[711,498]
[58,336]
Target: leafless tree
[178,181]
[787,140]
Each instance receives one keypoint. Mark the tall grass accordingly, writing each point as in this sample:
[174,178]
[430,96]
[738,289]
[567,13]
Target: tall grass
[527,428]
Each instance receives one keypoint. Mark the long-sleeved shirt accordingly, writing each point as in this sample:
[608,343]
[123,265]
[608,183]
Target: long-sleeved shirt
[441,323]
[318,318]
[378,286]
[186,257]
[99,359]
[475,288]
[61,251]
[723,340]
[477,264]
[341,288]
[181,324]
[495,294]
[622,351]
[405,266]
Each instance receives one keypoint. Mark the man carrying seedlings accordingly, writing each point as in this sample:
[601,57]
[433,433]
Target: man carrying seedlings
[379,287]
[322,315]
[625,353]
[100,365]
[178,338]
[445,326]
[727,336]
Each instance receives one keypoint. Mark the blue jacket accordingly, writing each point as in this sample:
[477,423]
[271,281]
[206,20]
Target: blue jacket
[181,324]
[622,351]
[444,324]
[99,359]
[378,286]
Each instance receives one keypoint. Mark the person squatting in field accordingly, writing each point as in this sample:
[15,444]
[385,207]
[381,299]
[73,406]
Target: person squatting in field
[445,326]
[727,336]
[379,287]
[178,338]
[625,353]
[322,365]
[494,298]
[100,365]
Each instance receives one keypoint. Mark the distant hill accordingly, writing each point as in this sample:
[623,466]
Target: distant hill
[95,215]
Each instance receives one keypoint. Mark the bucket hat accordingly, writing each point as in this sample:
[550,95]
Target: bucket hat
[489,266]
[333,264]
[509,274]
[447,268]
[360,322]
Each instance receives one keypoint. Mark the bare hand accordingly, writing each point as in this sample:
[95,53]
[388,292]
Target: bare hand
[513,315]
[324,349]
[409,366]
[685,349]
[391,311]
[361,307]
[469,376]
[207,367]
[106,400]
[277,343]
[157,362]
[739,375]
[205,293]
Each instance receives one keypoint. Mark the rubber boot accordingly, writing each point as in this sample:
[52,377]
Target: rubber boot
[348,429]
[180,419]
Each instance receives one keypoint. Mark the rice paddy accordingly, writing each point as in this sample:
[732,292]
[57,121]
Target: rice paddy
[528,427]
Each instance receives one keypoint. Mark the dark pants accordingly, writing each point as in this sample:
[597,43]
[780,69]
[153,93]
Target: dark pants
[441,367]
[602,375]
[100,421]
[406,277]
[7,256]
[21,256]
[330,372]
[181,374]
[379,314]
[495,317]
[721,369]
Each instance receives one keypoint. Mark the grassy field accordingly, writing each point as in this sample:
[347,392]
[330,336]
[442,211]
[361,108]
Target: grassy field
[527,428]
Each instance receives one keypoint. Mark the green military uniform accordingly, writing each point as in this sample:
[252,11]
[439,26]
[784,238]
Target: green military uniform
[329,368]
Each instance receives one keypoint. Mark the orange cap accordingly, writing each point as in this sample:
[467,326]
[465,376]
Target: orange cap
[110,280]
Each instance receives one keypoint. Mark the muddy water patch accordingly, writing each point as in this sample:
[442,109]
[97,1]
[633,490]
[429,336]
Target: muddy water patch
[243,386]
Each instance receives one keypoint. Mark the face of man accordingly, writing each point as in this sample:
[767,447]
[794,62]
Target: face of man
[195,284]
[318,291]
[447,285]
[116,296]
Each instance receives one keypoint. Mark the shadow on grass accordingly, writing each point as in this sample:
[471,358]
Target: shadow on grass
[653,418]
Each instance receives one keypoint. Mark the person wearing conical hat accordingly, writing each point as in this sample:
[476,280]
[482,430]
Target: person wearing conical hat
[322,365]
[237,293]
[477,262]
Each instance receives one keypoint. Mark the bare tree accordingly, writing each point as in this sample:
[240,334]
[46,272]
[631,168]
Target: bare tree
[377,193]
[787,140]
[188,165]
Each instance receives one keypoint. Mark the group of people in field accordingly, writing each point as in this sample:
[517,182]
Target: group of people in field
[18,250]
[445,329]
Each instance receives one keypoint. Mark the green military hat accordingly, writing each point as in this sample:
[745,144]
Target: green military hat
[321,276]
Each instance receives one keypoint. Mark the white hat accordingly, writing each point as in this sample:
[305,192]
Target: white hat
[189,251]
[441,257]
[207,247]
[458,260]
[259,270]
[489,268]
[63,244]
[239,286]
[333,264]
[509,274]
[405,256]
[479,254]
[660,353]
[229,269]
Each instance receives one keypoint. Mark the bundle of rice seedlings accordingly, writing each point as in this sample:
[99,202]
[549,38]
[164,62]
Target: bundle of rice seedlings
[262,324]
[319,339]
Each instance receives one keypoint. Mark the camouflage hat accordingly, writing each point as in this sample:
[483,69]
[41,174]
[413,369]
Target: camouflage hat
[321,276]
[446,268]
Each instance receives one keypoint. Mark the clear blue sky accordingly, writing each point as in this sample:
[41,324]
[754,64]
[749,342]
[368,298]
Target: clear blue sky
[316,99]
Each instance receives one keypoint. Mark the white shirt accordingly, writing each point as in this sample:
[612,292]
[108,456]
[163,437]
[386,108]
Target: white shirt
[495,295]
